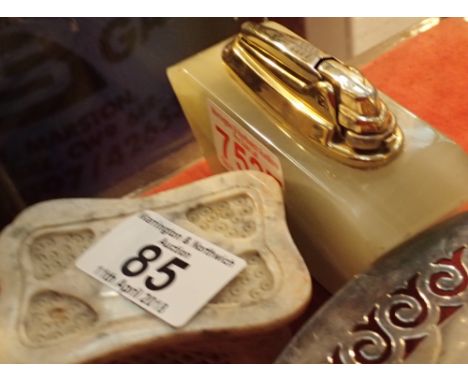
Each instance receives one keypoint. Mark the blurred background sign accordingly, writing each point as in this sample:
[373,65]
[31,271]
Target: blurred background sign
[84,103]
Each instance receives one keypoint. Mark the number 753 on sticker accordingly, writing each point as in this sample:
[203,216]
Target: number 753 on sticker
[236,149]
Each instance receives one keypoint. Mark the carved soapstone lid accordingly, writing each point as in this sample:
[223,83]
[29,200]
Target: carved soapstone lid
[411,306]
[50,311]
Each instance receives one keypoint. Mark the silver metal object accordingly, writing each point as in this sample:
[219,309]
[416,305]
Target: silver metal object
[410,307]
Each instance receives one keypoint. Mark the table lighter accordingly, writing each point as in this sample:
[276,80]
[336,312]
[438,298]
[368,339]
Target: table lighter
[360,173]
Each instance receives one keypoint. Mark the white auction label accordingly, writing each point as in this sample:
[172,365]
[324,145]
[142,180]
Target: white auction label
[237,149]
[160,266]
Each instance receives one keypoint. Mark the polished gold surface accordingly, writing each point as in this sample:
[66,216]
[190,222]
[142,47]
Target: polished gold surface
[333,105]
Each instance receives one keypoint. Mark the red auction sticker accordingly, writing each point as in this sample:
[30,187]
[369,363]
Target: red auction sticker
[237,149]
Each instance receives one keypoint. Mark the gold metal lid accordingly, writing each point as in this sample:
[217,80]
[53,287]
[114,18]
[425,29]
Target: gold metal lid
[332,104]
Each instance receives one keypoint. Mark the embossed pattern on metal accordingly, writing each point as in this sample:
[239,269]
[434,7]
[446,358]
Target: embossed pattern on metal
[411,306]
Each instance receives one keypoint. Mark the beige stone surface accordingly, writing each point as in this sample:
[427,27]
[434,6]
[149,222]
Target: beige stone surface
[50,311]
[342,218]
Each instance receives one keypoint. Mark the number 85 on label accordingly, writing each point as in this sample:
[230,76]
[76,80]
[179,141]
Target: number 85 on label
[166,271]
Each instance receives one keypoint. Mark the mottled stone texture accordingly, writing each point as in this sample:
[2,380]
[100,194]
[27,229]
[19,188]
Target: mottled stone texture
[50,311]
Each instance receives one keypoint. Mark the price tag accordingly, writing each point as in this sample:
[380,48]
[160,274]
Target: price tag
[160,266]
[237,149]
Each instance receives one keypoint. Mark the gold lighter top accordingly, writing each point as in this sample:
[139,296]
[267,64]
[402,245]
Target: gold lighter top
[329,102]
